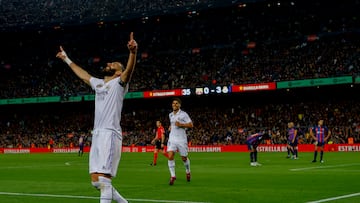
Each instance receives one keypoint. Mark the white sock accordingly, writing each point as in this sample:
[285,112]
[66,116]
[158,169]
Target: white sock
[117,197]
[171,164]
[187,165]
[105,190]
[108,192]
[97,185]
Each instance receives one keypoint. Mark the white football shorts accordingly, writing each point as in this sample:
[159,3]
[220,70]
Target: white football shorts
[105,152]
[181,147]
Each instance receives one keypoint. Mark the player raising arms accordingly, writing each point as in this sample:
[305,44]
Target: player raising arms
[179,122]
[320,134]
[158,141]
[105,151]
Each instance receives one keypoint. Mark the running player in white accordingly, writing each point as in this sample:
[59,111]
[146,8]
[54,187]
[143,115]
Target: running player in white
[179,122]
[105,151]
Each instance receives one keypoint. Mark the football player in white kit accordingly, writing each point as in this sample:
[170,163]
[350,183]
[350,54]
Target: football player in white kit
[179,122]
[105,151]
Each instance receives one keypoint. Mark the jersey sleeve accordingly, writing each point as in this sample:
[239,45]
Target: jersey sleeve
[94,82]
[187,118]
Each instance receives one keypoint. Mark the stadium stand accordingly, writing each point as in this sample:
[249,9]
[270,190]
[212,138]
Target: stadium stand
[231,43]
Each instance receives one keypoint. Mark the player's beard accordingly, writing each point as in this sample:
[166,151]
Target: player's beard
[108,72]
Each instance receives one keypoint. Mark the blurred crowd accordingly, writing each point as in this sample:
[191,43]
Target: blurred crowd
[218,120]
[259,42]
[15,14]
[244,45]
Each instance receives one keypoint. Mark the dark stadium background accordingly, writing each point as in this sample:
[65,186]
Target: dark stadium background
[183,44]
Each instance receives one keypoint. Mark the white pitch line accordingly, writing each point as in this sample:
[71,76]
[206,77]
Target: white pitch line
[321,167]
[39,166]
[47,195]
[89,197]
[335,198]
[165,201]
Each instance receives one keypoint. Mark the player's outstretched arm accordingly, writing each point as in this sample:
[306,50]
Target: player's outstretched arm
[132,46]
[80,72]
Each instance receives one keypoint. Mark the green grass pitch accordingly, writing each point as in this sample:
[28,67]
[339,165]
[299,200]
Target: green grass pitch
[216,178]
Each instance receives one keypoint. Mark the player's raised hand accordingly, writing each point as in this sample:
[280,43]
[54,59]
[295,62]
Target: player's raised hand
[132,44]
[62,55]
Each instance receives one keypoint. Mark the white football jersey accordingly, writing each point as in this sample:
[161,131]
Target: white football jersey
[178,134]
[109,99]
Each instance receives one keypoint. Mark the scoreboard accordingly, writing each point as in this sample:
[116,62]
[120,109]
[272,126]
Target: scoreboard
[216,89]
[202,90]
[210,90]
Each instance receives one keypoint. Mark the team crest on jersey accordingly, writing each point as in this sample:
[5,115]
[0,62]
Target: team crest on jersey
[101,91]
[100,86]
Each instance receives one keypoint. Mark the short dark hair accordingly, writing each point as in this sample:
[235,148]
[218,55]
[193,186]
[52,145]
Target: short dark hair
[177,99]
